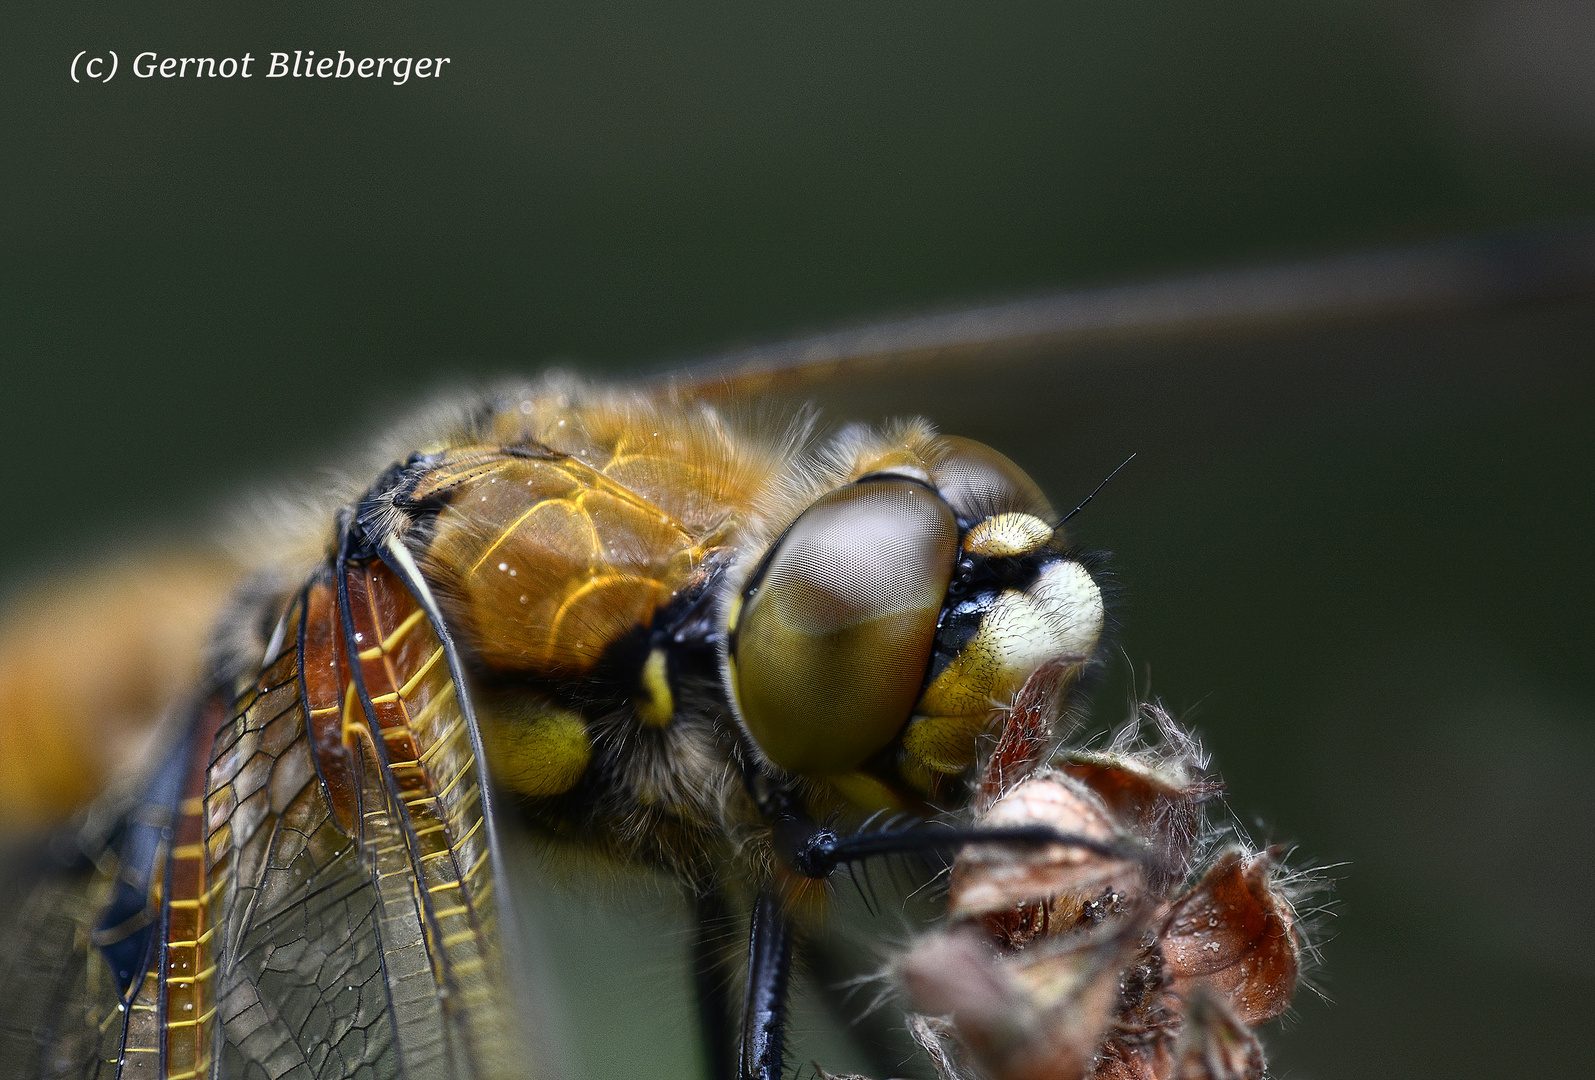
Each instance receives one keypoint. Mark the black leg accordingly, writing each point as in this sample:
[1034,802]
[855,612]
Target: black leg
[710,979]
[764,1008]
[816,851]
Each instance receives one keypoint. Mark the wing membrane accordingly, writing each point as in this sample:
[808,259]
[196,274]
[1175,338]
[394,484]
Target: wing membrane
[423,819]
[58,1003]
[106,970]
[347,811]
[301,986]
[1476,273]
[306,890]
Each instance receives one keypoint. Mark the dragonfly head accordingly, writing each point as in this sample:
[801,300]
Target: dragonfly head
[874,642]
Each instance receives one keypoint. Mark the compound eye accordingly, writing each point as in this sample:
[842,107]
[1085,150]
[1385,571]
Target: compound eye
[832,643]
[979,482]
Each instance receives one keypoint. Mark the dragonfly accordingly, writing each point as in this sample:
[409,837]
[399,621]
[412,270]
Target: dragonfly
[624,618]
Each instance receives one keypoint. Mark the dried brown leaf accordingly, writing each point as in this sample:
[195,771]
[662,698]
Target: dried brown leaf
[1156,793]
[1036,1015]
[1235,933]
[1022,892]
[1215,1044]
[1146,1062]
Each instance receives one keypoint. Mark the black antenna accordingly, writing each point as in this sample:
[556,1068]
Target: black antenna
[1099,487]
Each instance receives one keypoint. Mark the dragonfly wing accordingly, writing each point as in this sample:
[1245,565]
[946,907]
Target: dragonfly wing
[361,927]
[300,982]
[307,888]
[1469,274]
[52,1003]
[104,944]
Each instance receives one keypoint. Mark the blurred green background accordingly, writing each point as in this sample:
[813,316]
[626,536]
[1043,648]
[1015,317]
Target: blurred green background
[1358,553]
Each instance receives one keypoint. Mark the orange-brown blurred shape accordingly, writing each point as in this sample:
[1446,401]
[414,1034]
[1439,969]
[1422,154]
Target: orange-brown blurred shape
[88,664]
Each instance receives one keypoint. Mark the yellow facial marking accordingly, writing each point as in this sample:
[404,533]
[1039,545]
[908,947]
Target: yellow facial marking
[1007,535]
[865,792]
[919,777]
[944,744]
[537,750]
[1059,618]
[655,704]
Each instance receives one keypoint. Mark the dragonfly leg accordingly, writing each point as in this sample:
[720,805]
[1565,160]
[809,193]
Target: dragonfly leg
[816,851]
[769,972]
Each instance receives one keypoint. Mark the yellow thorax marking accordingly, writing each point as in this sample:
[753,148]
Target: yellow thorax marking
[544,754]
[655,705]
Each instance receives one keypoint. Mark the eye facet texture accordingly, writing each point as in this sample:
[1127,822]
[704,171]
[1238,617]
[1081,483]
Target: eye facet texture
[978,482]
[832,647]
